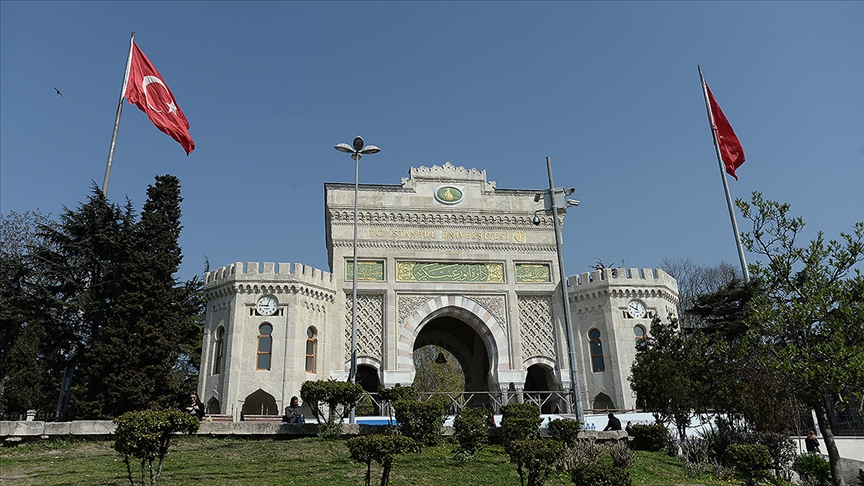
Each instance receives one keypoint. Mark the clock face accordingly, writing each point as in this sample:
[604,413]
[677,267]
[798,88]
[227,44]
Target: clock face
[267,305]
[636,309]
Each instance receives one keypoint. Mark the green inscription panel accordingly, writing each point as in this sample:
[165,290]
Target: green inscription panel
[533,272]
[449,272]
[367,270]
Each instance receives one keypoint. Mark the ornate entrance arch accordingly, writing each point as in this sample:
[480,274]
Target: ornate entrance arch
[473,314]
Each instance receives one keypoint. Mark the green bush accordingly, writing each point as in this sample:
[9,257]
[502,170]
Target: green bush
[146,436]
[650,437]
[519,421]
[781,449]
[600,475]
[338,397]
[379,448]
[421,421]
[534,459]
[564,431]
[750,461]
[471,429]
[813,469]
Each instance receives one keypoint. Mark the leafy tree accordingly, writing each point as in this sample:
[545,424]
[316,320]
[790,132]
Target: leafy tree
[671,377]
[434,377]
[740,385]
[146,436]
[336,398]
[808,325]
[27,362]
[379,448]
[534,459]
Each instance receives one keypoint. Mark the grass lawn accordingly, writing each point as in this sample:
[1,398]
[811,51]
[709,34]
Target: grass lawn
[231,461]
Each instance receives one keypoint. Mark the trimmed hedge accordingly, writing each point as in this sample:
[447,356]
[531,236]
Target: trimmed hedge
[565,431]
[379,448]
[471,429]
[750,461]
[650,437]
[535,459]
[599,475]
[519,421]
[421,421]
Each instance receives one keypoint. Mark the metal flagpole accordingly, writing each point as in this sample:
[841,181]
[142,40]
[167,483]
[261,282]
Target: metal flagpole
[117,119]
[723,176]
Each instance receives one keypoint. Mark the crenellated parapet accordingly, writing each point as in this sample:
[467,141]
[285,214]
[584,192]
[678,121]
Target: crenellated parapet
[269,278]
[625,283]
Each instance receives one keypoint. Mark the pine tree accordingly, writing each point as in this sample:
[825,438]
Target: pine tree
[81,257]
[141,346]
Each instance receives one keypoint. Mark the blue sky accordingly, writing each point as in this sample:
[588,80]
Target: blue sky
[610,91]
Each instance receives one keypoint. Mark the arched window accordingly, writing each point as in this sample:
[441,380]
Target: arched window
[265,344]
[220,345]
[639,333]
[311,349]
[596,351]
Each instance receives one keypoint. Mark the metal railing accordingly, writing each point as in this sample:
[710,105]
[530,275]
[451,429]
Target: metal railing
[551,401]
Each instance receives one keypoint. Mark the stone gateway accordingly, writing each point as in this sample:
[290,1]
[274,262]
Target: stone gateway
[444,258]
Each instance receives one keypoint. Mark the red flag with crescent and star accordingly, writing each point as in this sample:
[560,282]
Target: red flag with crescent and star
[146,89]
[730,148]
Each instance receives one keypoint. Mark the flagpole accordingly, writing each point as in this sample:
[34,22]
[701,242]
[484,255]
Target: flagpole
[731,207]
[117,120]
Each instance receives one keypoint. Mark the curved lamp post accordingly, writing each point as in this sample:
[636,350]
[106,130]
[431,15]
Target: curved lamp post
[357,151]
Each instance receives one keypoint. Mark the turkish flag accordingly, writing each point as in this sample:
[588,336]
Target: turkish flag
[146,89]
[730,148]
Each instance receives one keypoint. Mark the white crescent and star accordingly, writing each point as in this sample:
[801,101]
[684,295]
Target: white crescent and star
[172,108]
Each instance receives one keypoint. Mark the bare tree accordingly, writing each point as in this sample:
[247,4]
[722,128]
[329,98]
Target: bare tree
[695,280]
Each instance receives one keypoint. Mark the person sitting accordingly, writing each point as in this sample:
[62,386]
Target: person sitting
[292,413]
[195,408]
[629,429]
[614,423]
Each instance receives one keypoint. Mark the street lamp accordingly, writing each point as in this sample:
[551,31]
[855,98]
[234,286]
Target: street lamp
[357,151]
[553,203]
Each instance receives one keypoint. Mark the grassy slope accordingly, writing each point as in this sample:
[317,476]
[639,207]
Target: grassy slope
[230,461]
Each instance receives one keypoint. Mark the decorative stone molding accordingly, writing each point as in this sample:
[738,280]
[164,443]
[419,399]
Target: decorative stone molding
[468,311]
[370,319]
[535,324]
[495,304]
[526,248]
[433,220]
[407,304]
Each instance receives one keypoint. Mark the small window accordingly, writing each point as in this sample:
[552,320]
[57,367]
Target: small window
[311,349]
[596,351]
[265,343]
[220,347]
[639,334]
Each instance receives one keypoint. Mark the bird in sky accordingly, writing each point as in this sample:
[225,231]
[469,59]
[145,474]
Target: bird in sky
[58,91]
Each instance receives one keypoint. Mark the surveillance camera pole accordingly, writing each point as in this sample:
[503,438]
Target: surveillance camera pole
[568,326]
